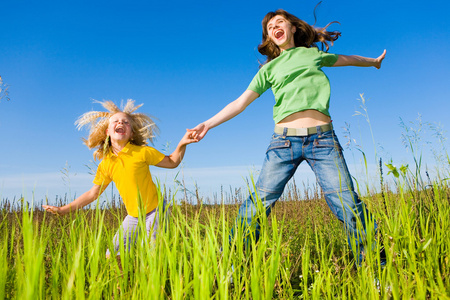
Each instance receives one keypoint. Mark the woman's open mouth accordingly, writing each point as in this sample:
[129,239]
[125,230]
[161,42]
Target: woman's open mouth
[278,34]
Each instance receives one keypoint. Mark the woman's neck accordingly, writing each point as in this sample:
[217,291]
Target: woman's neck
[287,48]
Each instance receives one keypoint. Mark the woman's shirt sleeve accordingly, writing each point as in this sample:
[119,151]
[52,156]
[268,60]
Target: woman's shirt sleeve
[328,59]
[260,82]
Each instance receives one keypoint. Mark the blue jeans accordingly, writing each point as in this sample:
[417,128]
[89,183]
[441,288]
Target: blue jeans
[323,153]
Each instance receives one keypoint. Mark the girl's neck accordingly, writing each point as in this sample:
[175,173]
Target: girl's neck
[117,146]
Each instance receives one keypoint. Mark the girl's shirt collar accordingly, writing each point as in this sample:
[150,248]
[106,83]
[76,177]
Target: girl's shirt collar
[125,149]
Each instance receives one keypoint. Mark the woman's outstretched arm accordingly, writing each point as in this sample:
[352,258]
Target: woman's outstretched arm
[228,112]
[359,61]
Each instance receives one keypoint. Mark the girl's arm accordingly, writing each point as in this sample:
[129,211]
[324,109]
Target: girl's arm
[78,203]
[359,61]
[173,160]
[228,112]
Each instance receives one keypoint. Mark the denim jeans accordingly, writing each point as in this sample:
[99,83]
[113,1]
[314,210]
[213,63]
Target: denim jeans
[323,153]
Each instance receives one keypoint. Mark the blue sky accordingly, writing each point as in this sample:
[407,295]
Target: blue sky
[185,60]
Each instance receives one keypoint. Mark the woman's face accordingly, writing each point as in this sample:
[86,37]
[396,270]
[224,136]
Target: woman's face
[281,32]
[119,128]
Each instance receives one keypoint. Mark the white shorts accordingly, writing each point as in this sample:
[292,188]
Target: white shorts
[130,229]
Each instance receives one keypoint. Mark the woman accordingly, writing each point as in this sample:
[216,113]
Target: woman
[303,129]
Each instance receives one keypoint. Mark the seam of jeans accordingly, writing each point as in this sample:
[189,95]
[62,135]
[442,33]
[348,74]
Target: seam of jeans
[270,191]
[283,146]
[336,192]
[292,159]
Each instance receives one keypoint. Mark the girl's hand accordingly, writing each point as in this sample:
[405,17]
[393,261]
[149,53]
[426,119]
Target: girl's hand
[54,210]
[199,131]
[379,60]
[173,160]
[189,138]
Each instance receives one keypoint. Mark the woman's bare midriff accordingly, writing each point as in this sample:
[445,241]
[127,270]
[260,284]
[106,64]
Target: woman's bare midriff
[303,119]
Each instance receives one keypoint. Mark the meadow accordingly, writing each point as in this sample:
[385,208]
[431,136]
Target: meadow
[302,252]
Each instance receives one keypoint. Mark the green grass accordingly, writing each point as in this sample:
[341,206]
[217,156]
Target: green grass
[302,253]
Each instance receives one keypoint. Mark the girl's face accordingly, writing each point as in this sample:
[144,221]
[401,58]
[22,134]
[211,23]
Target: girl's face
[281,32]
[119,128]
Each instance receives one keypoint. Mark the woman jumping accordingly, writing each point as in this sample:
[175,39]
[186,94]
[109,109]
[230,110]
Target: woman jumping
[303,128]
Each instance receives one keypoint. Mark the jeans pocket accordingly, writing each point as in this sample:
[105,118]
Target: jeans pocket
[327,140]
[278,142]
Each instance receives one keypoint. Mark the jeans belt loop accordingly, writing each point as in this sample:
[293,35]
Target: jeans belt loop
[319,129]
[285,130]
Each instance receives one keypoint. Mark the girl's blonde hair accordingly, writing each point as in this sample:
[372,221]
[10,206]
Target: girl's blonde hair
[142,126]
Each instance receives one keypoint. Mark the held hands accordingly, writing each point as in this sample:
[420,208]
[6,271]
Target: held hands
[199,131]
[173,160]
[189,138]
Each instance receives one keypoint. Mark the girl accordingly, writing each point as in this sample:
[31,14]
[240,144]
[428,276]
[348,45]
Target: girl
[303,129]
[120,138]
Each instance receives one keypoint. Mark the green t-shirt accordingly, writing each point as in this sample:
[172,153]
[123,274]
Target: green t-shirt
[297,81]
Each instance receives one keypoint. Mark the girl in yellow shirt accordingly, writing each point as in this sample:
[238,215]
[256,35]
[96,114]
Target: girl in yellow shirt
[121,141]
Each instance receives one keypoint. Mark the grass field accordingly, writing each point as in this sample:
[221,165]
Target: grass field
[302,252]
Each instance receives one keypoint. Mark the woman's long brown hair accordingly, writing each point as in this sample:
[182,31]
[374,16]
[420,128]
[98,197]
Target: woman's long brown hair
[305,36]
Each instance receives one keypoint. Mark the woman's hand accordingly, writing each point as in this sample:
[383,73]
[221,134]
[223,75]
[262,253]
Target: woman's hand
[199,131]
[379,60]
[359,61]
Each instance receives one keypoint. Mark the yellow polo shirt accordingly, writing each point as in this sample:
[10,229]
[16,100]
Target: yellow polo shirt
[130,172]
